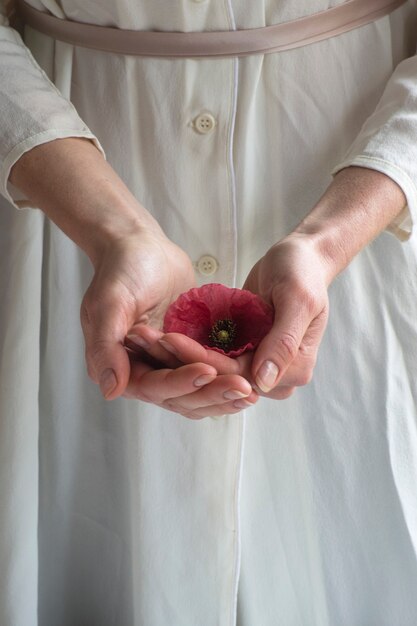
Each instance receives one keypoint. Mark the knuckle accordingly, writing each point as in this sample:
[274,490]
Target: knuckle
[286,346]
[302,290]
[171,406]
[142,390]
[308,300]
[96,351]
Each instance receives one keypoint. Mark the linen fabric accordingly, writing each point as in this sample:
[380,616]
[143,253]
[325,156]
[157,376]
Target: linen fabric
[299,512]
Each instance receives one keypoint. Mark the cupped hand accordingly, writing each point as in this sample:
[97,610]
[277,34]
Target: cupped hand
[136,277]
[293,278]
[174,380]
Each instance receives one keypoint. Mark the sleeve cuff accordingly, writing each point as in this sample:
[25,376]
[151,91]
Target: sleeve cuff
[11,193]
[402,226]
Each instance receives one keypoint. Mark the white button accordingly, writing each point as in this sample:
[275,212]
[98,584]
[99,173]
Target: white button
[207,265]
[204,123]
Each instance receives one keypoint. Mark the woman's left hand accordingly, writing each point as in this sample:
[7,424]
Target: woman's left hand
[293,278]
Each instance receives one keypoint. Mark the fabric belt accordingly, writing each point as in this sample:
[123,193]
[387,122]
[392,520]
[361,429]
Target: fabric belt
[285,36]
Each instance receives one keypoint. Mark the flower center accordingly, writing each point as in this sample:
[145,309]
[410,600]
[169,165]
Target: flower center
[222,334]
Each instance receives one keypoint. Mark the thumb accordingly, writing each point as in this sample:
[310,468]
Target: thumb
[279,348]
[107,360]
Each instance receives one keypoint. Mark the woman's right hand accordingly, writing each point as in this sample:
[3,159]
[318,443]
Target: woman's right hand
[136,278]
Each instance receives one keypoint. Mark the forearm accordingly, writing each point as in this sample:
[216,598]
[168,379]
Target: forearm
[358,205]
[80,192]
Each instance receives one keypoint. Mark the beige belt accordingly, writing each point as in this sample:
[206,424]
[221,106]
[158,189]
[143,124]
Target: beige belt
[329,23]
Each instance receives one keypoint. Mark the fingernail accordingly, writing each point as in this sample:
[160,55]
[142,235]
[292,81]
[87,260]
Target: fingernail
[205,379]
[168,347]
[108,382]
[234,394]
[266,376]
[242,404]
[139,341]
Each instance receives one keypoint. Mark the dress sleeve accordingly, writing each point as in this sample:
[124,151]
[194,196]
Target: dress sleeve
[32,110]
[387,142]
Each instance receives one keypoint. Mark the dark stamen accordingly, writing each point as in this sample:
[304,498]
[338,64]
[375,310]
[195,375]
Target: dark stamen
[222,334]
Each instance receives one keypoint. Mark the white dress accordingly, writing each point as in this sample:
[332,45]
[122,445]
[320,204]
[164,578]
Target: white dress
[298,513]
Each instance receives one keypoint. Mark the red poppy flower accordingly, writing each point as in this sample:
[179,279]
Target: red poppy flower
[230,321]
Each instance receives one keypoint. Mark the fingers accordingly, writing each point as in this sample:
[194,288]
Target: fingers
[229,408]
[175,349]
[189,351]
[300,370]
[192,390]
[145,338]
[224,389]
[155,386]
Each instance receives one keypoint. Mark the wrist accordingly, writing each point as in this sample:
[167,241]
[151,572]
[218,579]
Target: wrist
[109,221]
[324,244]
[71,182]
[357,206]
[312,247]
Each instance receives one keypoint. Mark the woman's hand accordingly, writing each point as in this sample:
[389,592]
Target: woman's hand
[136,277]
[295,273]
[292,277]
